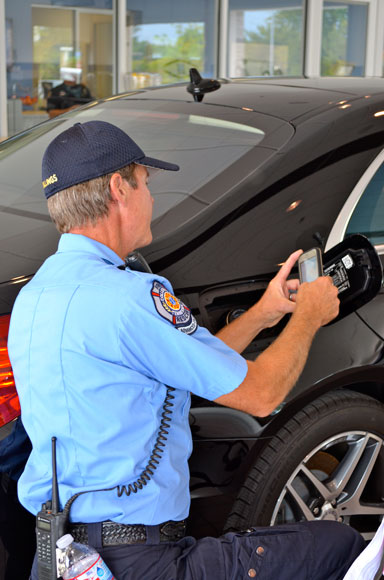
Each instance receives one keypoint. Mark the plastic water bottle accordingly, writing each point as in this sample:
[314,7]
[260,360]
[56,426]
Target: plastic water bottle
[81,562]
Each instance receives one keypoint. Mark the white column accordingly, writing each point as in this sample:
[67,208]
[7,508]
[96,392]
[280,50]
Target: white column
[3,74]
[370,41]
[313,37]
[223,40]
[121,46]
[272,45]
[377,9]
[236,44]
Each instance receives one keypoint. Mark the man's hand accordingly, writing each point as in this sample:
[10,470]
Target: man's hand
[279,297]
[271,308]
[317,301]
[274,372]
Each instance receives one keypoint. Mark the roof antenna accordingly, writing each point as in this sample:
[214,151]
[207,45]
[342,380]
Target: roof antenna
[199,86]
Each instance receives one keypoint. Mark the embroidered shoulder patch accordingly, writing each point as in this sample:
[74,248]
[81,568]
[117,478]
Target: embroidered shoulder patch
[172,309]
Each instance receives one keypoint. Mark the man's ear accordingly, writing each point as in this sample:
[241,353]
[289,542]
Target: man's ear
[118,187]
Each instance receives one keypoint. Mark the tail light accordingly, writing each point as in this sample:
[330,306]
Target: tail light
[9,401]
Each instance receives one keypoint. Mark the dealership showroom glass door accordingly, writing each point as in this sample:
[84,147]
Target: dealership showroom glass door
[61,41]
[77,42]
[265,38]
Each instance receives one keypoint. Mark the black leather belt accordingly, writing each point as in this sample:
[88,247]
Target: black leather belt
[114,534]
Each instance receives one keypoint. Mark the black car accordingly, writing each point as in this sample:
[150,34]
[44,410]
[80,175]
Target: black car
[267,166]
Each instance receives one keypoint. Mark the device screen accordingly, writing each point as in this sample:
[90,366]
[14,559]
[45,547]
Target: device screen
[309,269]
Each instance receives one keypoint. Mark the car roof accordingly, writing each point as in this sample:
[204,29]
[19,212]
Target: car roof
[303,100]
[292,100]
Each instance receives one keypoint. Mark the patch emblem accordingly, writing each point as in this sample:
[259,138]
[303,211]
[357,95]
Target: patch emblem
[172,309]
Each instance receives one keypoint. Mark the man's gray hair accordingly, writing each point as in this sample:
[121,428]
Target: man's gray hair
[86,202]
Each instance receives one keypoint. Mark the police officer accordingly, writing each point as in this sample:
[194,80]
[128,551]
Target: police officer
[103,357]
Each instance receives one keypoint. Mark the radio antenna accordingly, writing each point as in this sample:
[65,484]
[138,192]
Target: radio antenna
[55,487]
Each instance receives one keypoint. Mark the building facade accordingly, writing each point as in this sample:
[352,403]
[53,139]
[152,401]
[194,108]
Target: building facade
[114,46]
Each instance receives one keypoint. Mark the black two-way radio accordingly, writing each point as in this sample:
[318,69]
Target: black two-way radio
[51,523]
[50,526]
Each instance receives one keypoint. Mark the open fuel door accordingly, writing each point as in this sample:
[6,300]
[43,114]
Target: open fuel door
[356,270]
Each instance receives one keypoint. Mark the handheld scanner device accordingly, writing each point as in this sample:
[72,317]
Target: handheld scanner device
[310,265]
[354,267]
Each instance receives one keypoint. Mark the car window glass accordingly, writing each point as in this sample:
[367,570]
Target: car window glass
[19,141]
[203,147]
[368,215]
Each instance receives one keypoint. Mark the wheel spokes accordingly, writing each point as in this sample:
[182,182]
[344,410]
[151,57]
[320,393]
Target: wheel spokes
[347,466]
[350,499]
[321,488]
[295,495]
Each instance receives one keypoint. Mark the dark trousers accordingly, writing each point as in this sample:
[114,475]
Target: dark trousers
[304,551]
[17,534]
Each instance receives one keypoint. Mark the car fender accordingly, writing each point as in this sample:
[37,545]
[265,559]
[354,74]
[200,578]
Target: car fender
[234,439]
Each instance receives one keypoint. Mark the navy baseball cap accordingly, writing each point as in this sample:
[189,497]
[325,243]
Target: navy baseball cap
[89,150]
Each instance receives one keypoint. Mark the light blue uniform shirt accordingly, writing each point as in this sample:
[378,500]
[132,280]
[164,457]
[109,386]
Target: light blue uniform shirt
[92,348]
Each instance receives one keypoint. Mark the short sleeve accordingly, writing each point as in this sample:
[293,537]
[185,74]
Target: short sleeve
[160,338]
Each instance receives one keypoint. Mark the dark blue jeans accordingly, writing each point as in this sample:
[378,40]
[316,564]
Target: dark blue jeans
[305,551]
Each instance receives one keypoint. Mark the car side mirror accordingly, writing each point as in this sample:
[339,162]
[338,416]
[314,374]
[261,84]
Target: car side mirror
[356,270]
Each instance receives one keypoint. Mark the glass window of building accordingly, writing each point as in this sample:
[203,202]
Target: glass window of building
[265,37]
[165,39]
[59,55]
[344,38]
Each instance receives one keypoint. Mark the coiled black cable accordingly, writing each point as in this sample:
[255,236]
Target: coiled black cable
[135,261]
[153,462]
[157,451]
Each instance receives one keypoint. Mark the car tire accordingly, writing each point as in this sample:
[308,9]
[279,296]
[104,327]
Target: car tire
[325,463]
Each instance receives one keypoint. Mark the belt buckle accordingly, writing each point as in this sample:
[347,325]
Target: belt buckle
[173,530]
